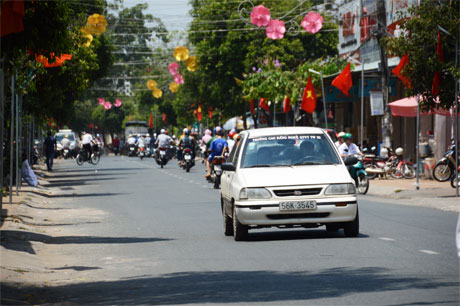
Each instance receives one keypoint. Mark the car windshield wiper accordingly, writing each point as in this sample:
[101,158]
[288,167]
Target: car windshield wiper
[313,163]
[266,166]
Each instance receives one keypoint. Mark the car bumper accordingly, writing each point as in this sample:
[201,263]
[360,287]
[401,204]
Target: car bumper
[267,213]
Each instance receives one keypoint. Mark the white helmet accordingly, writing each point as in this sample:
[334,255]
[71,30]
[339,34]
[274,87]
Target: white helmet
[341,134]
[163,131]
[384,152]
[97,135]
[154,134]
[147,135]
[399,151]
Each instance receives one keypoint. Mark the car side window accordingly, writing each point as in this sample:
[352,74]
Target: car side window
[236,151]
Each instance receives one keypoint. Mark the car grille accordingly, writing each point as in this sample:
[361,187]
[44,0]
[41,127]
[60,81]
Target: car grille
[297,216]
[300,192]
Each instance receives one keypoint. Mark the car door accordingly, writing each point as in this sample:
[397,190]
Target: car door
[227,176]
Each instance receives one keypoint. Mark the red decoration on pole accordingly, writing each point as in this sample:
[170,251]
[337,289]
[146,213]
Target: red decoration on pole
[287,104]
[309,97]
[436,87]
[151,121]
[343,81]
[199,113]
[264,105]
[164,117]
[398,71]
[210,112]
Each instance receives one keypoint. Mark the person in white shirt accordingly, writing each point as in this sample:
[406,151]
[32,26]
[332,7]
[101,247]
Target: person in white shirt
[147,140]
[65,142]
[348,147]
[141,142]
[86,141]
[163,140]
[131,140]
[339,141]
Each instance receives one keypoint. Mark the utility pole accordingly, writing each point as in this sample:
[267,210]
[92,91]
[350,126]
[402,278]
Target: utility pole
[381,33]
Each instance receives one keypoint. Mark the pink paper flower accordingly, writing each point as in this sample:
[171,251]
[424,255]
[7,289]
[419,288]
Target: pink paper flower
[312,22]
[178,78]
[117,103]
[260,16]
[107,105]
[173,67]
[100,101]
[275,29]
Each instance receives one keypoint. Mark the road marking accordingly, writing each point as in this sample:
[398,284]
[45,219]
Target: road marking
[386,239]
[429,252]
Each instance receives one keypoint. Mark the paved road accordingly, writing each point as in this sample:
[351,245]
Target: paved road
[162,242]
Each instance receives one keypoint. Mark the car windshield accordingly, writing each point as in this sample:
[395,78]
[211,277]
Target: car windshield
[288,151]
[59,137]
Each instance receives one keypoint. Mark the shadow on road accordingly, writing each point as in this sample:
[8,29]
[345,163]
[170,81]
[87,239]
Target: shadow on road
[77,268]
[232,287]
[98,169]
[280,235]
[21,241]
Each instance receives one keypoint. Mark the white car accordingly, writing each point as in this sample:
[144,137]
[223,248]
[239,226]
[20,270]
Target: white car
[287,177]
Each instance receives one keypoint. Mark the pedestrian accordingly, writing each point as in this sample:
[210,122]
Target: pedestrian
[50,147]
[116,145]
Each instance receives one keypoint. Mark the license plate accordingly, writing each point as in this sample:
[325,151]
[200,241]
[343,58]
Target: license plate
[162,153]
[131,149]
[188,157]
[297,205]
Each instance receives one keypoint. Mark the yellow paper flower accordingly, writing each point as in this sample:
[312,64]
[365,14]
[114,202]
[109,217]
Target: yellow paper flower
[89,39]
[174,87]
[157,93]
[96,24]
[192,63]
[151,84]
[181,53]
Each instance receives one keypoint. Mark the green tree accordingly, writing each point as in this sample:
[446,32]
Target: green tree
[419,43]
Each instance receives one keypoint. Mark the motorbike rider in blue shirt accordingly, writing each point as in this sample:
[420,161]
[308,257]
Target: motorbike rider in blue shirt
[218,148]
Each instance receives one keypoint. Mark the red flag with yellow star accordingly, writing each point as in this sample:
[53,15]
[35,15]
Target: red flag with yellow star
[343,81]
[309,97]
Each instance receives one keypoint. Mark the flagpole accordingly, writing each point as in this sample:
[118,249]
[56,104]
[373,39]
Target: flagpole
[324,100]
[362,105]
[417,145]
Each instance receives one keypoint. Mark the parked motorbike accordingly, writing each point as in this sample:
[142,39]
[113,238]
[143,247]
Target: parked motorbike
[358,173]
[444,168]
[395,165]
[36,153]
[454,181]
[161,156]
[188,162]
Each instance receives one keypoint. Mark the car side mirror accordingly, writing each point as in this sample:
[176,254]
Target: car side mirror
[228,167]
[350,161]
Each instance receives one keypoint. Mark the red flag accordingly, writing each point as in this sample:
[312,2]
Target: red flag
[287,104]
[164,117]
[309,97]
[210,112]
[253,109]
[436,87]
[398,71]
[151,121]
[264,105]
[343,81]
[198,113]
[11,17]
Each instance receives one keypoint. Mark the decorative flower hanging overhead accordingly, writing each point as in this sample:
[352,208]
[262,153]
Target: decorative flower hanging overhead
[174,87]
[96,24]
[179,79]
[173,67]
[192,63]
[107,105]
[157,93]
[151,84]
[260,16]
[312,22]
[88,37]
[117,103]
[100,101]
[181,53]
[275,29]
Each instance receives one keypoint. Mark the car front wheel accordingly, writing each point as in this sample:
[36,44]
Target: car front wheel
[240,231]
[351,229]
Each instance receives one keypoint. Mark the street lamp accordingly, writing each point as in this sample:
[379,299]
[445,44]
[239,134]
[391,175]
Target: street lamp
[324,95]
[456,105]
[362,98]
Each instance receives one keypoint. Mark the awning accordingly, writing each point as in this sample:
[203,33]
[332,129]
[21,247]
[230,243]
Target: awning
[407,107]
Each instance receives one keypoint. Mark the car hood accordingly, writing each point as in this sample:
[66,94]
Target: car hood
[294,176]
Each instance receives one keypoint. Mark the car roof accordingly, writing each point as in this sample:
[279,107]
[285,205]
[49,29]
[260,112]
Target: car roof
[284,131]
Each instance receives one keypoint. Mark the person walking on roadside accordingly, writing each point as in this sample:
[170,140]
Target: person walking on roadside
[50,147]
[116,145]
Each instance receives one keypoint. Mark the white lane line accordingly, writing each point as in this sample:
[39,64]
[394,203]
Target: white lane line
[386,239]
[429,252]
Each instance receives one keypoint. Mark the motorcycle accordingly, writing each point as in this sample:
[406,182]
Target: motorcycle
[141,152]
[454,181]
[188,162]
[216,170]
[36,153]
[395,165]
[161,157]
[82,157]
[132,150]
[66,153]
[358,173]
[444,168]
[148,152]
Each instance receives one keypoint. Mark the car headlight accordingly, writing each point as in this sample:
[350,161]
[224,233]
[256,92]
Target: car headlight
[340,189]
[254,194]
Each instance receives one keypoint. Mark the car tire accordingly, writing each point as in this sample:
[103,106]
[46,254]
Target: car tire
[240,231]
[332,228]
[351,229]
[228,224]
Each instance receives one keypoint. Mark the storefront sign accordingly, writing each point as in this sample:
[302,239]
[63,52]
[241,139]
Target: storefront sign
[375,84]
[376,103]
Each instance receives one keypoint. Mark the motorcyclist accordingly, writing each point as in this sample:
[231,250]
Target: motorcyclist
[218,148]
[230,140]
[148,140]
[187,142]
[131,140]
[340,140]
[348,147]
[141,142]
[87,141]
[163,140]
[65,142]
